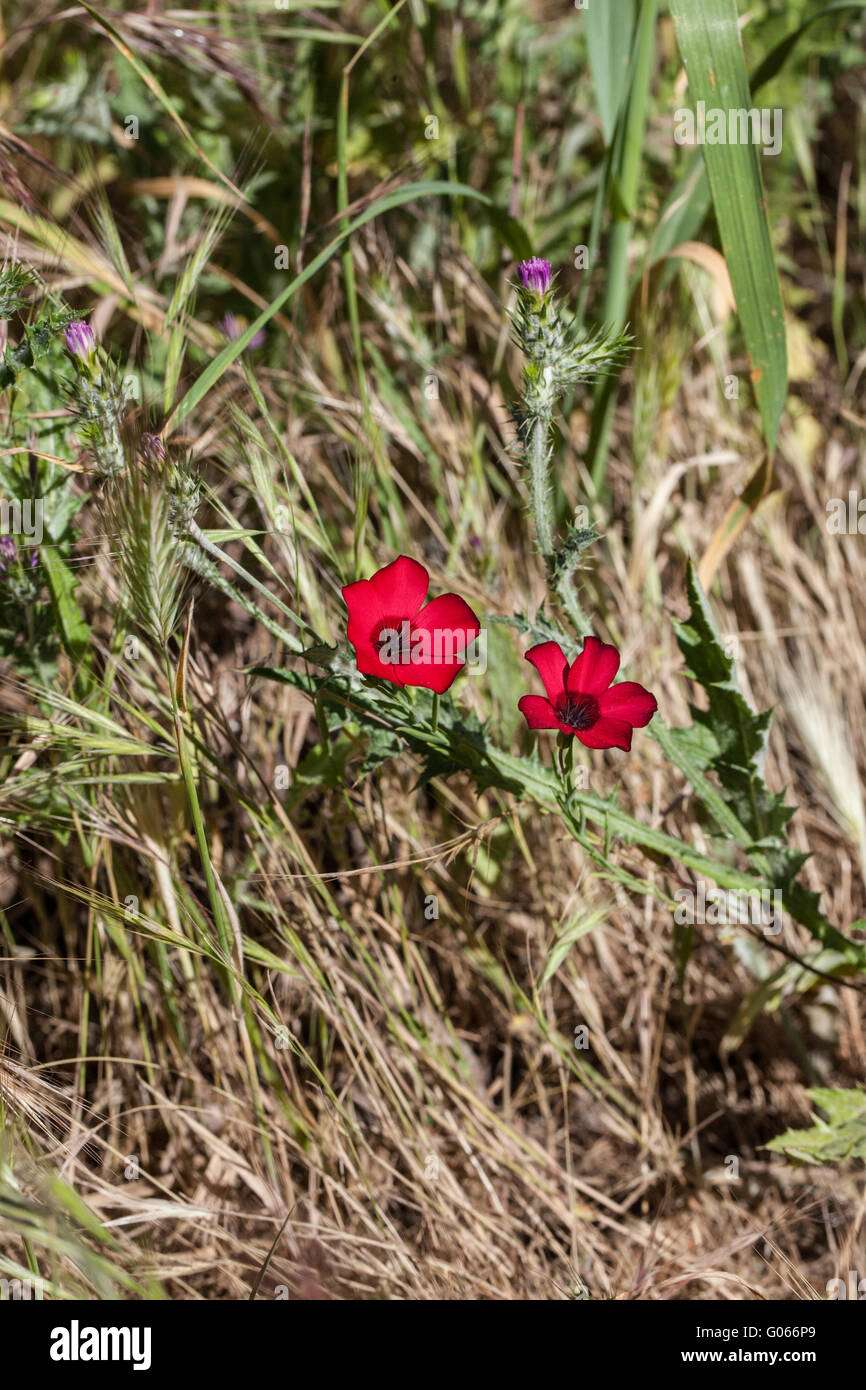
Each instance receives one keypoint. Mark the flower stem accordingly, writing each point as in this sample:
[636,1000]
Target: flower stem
[564,585]
[194,559]
[538,460]
[435,712]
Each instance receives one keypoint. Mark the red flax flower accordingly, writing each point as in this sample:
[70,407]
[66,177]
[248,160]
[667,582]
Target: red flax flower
[397,638]
[580,697]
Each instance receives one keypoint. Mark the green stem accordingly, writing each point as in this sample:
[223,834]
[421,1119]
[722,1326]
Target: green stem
[199,565]
[567,593]
[538,461]
[217,905]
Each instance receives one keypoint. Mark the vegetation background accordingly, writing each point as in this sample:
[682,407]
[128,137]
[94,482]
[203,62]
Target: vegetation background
[355,1097]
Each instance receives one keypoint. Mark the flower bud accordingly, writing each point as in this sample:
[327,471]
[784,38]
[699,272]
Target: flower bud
[8,553]
[535,275]
[152,448]
[232,328]
[80,340]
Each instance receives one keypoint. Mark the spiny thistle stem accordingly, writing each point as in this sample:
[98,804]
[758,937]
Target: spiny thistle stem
[557,357]
[568,598]
[538,462]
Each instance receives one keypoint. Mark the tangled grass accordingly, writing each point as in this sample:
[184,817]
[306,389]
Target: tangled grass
[280,1016]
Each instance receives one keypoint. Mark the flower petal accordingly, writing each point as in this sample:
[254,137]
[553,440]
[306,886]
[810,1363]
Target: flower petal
[594,669]
[363,604]
[548,658]
[401,587]
[607,733]
[538,712]
[441,634]
[365,615]
[628,701]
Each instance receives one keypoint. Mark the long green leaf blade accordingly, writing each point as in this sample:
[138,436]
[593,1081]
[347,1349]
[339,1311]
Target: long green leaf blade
[709,40]
[609,29]
[408,193]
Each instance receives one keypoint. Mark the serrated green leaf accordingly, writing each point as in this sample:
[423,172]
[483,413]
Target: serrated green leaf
[840,1137]
[728,738]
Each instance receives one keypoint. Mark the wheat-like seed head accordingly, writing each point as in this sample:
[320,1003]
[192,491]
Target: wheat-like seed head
[139,512]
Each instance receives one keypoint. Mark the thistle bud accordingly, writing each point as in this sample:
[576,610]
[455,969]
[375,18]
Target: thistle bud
[8,553]
[152,448]
[80,340]
[535,276]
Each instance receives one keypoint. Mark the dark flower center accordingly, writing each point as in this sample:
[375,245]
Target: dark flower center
[389,639]
[579,711]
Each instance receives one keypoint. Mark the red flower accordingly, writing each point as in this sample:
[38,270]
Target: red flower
[399,639]
[580,697]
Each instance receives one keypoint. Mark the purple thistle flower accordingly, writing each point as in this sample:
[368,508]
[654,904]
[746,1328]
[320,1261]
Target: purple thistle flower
[232,329]
[535,275]
[8,553]
[80,340]
[152,448]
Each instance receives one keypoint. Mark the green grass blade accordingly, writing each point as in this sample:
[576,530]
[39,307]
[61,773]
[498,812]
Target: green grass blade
[777,57]
[409,193]
[624,180]
[74,632]
[609,29]
[709,41]
[689,201]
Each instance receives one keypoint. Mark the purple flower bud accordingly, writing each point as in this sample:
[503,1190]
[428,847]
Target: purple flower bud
[152,448]
[232,329]
[79,339]
[8,553]
[535,275]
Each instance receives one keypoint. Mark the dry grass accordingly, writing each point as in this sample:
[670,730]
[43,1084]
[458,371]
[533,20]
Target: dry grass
[418,1129]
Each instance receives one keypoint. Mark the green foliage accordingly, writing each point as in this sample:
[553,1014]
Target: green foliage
[722,755]
[709,39]
[554,131]
[36,343]
[838,1139]
[728,736]
[35,624]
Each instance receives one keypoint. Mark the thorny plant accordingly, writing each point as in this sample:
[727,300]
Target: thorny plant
[216,884]
[151,497]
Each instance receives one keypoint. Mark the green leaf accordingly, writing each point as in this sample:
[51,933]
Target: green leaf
[609,30]
[728,737]
[409,193]
[777,57]
[709,40]
[74,632]
[727,742]
[689,201]
[841,1136]
[573,930]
